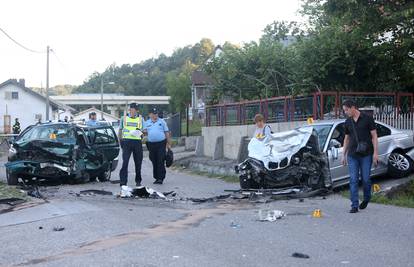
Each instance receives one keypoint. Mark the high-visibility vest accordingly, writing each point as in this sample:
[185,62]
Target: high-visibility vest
[131,124]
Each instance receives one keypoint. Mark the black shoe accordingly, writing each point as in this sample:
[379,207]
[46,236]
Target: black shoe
[138,184]
[158,182]
[363,205]
[353,210]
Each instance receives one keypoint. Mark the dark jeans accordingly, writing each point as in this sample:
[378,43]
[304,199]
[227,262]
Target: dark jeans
[131,147]
[157,157]
[359,165]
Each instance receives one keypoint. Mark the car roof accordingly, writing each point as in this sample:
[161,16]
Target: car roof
[62,123]
[327,122]
[335,122]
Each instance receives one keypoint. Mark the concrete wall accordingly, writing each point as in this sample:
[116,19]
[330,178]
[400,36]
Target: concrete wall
[232,136]
[25,107]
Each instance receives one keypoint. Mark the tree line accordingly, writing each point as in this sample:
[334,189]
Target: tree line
[345,45]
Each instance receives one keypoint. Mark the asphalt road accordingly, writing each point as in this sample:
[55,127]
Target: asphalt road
[108,231]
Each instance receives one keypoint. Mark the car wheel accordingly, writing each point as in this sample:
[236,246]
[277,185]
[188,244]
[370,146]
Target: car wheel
[12,179]
[84,178]
[399,165]
[105,176]
[316,184]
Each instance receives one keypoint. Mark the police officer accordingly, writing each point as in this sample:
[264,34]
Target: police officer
[130,134]
[157,142]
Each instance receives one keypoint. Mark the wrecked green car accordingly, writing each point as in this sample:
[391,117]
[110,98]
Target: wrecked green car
[63,151]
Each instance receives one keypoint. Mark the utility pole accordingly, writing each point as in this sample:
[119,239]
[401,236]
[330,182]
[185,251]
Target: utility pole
[102,84]
[47,84]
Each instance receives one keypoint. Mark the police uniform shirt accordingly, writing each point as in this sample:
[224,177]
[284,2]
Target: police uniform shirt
[156,130]
[121,123]
[92,123]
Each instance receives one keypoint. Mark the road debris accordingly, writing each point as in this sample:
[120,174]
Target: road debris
[172,193]
[92,192]
[209,199]
[34,192]
[13,201]
[271,215]
[141,192]
[58,228]
[300,255]
[235,225]
[126,191]
[281,193]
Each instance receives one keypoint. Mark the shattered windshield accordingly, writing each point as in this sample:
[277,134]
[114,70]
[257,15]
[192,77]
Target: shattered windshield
[52,133]
[322,132]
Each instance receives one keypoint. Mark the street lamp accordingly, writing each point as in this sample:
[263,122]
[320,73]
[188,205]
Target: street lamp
[102,87]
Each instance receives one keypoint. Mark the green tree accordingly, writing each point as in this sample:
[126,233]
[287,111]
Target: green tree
[178,83]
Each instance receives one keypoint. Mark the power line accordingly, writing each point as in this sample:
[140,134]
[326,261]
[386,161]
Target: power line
[58,59]
[19,44]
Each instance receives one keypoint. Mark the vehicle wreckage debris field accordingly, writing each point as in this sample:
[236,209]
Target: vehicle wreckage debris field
[71,228]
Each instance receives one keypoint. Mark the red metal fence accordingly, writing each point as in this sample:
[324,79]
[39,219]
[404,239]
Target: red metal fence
[322,105]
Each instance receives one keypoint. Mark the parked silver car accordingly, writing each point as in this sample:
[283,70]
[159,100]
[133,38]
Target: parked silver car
[311,156]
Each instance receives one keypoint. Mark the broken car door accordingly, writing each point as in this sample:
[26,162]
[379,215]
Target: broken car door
[339,172]
[105,142]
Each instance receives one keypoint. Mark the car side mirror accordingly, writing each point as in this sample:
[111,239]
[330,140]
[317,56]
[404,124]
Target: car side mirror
[334,144]
[334,152]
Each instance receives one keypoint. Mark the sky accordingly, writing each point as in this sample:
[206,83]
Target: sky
[87,36]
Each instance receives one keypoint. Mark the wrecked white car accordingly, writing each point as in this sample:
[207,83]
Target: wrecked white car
[311,157]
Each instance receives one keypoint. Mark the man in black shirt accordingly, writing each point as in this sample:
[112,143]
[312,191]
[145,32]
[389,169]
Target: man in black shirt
[360,151]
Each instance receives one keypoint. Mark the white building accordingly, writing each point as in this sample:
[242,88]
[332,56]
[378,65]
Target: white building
[84,116]
[18,101]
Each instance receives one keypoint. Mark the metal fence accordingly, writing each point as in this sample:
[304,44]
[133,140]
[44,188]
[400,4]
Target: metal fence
[403,121]
[321,105]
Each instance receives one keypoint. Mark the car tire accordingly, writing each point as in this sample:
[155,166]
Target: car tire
[84,178]
[105,175]
[246,183]
[399,165]
[12,179]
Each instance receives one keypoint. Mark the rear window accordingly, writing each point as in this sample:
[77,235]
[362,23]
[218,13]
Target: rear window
[53,133]
[382,130]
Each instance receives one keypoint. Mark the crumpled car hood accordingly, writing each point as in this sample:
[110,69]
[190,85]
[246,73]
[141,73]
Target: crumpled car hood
[51,148]
[279,146]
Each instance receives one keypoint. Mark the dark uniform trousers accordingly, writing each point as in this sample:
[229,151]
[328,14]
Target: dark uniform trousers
[157,157]
[129,147]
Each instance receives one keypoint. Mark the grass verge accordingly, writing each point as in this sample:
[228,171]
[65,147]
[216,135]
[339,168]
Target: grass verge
[11,192]
[402,197]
